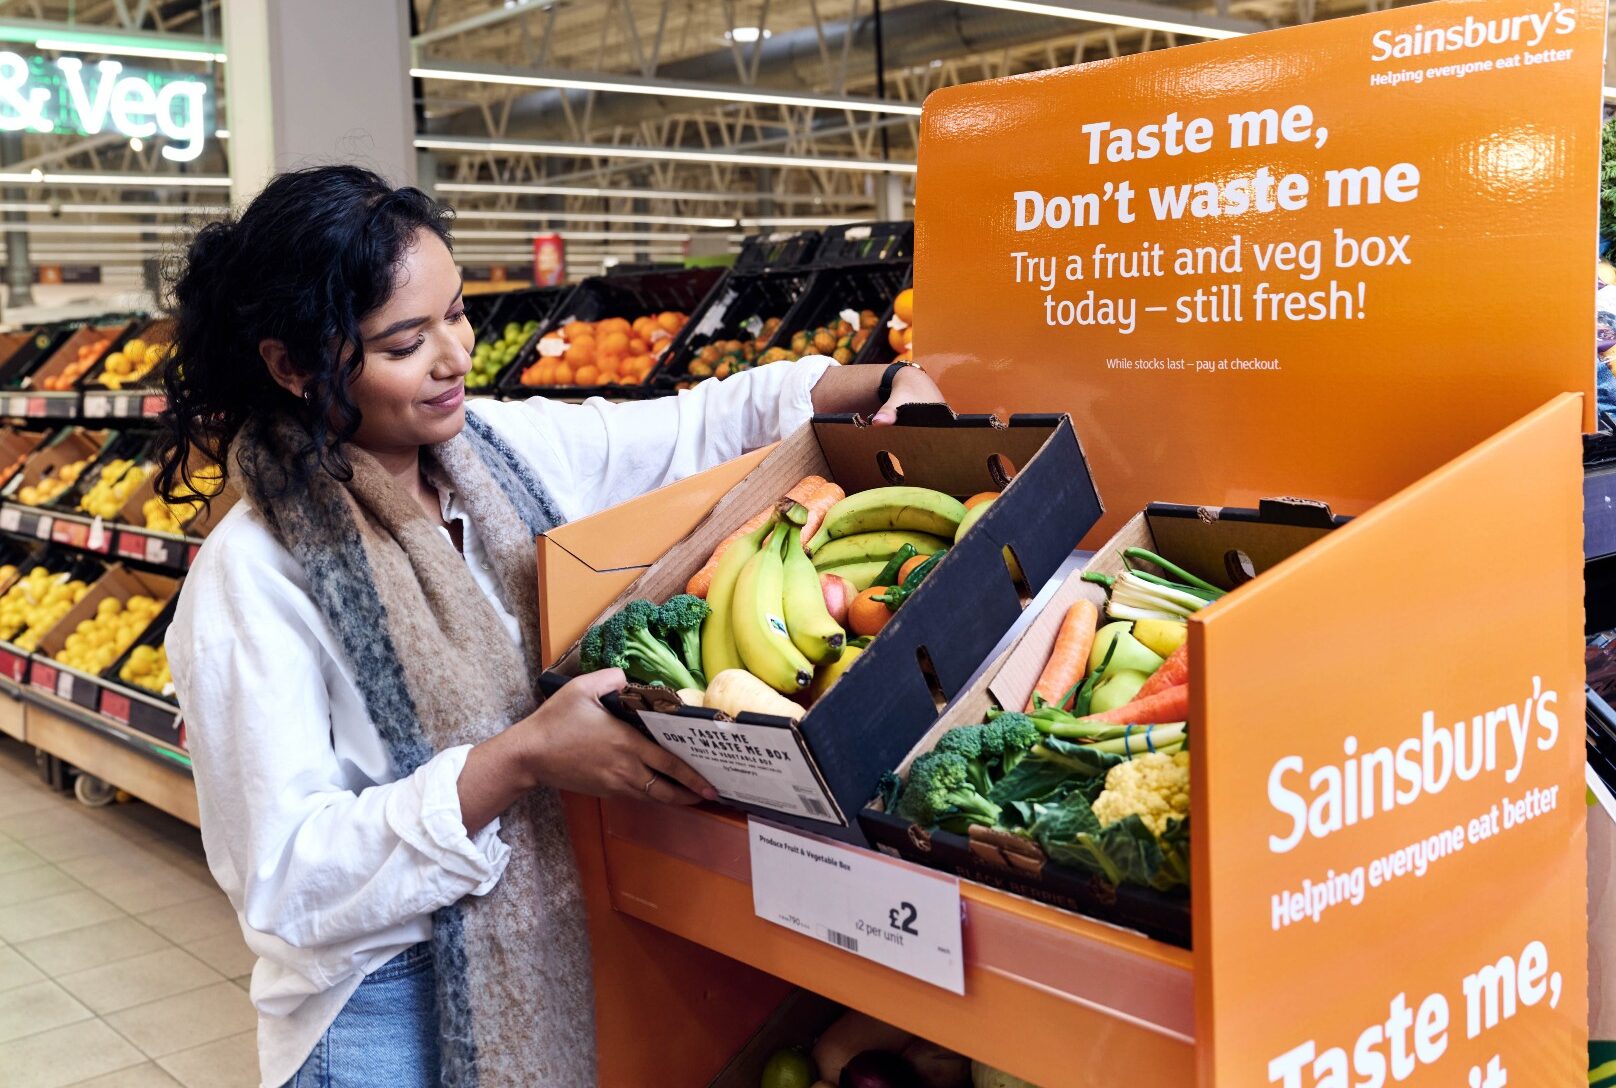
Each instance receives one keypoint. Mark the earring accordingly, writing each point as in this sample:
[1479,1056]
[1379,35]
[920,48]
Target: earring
[308,395]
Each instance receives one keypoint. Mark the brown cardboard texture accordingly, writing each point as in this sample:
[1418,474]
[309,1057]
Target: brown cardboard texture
[77,444]
[120,582]
[15,448]
[585,564]
[1208,542]
[823,768]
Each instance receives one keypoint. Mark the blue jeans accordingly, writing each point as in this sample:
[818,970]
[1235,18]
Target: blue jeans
[386,1035]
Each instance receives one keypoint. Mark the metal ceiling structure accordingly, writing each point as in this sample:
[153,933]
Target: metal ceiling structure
[635,124]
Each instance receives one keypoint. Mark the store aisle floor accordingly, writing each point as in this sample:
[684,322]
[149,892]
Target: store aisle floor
[120,960]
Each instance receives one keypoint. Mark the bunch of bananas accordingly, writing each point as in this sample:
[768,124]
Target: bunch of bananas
[769,614]
[112,488]
[53,484]
[171,517]
[34,604]
[147,668]
[99,641]
[132,362]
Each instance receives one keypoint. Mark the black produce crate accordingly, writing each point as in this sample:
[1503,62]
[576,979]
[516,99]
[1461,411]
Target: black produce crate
[878,349]
[851,287]
[137,446]
[160,330]
[867,243]
[524,305]
[21,363]
[728,313]
[1161,916]
[784,249]
[626,295]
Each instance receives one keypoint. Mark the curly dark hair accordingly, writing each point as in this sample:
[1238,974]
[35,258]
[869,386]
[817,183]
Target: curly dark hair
[315,252]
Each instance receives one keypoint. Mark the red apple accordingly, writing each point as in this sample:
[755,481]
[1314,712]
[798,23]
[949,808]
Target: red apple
[839,593]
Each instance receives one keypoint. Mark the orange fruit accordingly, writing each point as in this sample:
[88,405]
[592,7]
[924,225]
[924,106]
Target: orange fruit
[614,342]
[628,378]
[613,324]
[979,498]
[563,375]
[865,615]
[903,307]
[574,329]
[909,566]
[895,338]
[587,374]
[530,376]
[670,321]
[609,365]
[579,354]
[638,346]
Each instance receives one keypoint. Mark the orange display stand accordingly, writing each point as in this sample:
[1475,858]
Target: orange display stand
[1451,602]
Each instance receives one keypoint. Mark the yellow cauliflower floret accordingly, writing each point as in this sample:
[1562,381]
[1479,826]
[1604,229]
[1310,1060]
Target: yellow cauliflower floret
[1154,786]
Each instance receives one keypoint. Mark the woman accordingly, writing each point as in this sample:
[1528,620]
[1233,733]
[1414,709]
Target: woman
[356,646]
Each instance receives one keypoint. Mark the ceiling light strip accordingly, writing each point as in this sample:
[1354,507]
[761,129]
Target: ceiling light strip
[1134,16]
[659,154]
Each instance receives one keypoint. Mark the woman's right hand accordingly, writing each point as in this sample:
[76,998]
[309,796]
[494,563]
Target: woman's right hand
[574,743]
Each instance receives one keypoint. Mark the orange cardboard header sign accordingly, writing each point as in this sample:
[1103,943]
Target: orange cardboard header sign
[1390,877]
[1320,261]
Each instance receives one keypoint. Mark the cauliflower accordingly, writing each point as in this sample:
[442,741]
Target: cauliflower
[1155,786]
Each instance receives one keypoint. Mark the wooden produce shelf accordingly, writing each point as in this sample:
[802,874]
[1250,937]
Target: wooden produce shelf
[1047,993]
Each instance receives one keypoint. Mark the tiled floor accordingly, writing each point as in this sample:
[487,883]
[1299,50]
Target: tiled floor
[120,961]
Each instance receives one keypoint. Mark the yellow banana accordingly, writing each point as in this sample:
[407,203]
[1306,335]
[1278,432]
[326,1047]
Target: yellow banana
[760,626]
[718,650]
[916,509]
[880,544]
[812,630]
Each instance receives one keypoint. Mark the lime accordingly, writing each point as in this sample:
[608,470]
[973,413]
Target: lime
[788,1069]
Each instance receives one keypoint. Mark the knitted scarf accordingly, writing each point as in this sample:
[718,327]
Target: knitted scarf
[436,668]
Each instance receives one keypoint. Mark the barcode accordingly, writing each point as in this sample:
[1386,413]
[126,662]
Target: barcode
[813,805]
[842,940]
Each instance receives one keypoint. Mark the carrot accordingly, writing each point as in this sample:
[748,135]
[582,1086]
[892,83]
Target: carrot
[703,578]
[817,502]
[1070,657]
[1171,673]
[1172,705]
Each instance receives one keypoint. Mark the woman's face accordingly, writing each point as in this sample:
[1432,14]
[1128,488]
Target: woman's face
[411,390]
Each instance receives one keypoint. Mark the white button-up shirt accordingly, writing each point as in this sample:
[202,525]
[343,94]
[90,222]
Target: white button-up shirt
[333,866]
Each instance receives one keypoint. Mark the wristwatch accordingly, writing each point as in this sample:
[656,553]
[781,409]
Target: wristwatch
[885,392]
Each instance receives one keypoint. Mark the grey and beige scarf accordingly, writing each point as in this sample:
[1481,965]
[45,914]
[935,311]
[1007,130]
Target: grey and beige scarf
[436,668]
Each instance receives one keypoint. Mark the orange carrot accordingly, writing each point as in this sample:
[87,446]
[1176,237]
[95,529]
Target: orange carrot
[1070,658]
[703,578]
[1172,705]
[1172,672]
[818,502]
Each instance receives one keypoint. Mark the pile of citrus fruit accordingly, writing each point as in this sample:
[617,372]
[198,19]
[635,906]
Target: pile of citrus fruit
[611,351]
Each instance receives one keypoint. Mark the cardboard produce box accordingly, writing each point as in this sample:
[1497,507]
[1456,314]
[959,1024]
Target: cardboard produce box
[63,370]
[198,524]
[16,446]
[817,773]
[585,564]
[69,445]
[1227,547]
[119,582]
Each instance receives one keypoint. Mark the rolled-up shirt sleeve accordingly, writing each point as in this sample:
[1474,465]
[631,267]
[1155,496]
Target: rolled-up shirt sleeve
[599,453]
[307,861]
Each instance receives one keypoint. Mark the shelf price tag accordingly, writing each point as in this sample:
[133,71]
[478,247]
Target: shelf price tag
[10,519]
[884,910]
[97,406]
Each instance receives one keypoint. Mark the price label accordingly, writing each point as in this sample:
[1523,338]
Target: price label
[552,347]
[97,405]
[35,406]
[10,519]
[115,706]
[850,316]
[97,538]
[156,550]
[64,685]
[876,907]
[131,546]
[753,325]
[154,405]
[17,406]
[42,528]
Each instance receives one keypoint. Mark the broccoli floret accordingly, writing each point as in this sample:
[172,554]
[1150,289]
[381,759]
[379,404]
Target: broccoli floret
[678,623]
[1014,735]
[939,794]
[628,643]
[968,741]
[591,651]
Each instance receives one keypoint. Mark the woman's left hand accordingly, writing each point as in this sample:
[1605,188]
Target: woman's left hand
[911,385]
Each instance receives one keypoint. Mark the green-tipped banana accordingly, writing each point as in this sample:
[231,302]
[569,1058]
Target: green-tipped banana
[758,614]
[718,649]
[863,547]
[813,631]
[914,509]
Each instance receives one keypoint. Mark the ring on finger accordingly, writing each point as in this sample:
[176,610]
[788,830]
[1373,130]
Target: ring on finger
[649,782]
